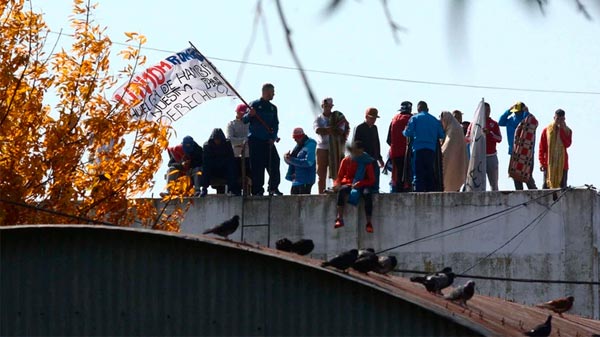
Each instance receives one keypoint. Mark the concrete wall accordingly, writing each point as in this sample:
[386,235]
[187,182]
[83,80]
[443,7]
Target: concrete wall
[564,245]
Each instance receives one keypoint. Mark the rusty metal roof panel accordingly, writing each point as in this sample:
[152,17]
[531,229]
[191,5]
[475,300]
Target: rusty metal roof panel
[93,280]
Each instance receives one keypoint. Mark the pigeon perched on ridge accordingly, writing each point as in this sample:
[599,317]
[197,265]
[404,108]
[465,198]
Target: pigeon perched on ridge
[542,330]
[284,245]
[226,228]
[386,264]
[435,283]
[300,247]
[303,246]
[462,294]
[558,305]
[342,261]
[367,261]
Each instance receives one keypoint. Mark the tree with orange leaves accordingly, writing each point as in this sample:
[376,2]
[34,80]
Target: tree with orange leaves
[84,157]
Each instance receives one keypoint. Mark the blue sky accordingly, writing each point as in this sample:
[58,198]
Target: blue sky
[498,43]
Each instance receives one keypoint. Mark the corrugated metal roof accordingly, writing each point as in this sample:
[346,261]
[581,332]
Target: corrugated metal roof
[88,280]
[93,280]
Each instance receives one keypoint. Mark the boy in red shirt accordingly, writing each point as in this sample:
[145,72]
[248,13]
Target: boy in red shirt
[356,177]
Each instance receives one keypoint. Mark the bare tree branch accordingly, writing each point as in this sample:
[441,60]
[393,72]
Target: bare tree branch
[333,6]
[581,7]
[542,5]
[394,26]
[255,23]
[290,43]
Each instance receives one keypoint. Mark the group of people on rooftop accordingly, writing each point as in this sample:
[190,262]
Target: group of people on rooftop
[426,153]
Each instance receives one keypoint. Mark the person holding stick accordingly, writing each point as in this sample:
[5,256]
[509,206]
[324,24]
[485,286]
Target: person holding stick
[264,125]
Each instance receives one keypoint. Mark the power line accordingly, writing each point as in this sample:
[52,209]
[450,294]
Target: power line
[509,209]
[508,279]
[536,220]
[370,77]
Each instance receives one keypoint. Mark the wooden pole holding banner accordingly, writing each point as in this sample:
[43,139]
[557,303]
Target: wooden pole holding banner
[260,120]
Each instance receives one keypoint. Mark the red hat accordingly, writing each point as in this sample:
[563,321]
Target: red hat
[241,108]
[298,133]
[372,112]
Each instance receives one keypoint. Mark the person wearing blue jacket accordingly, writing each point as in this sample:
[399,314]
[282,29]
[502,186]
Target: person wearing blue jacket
[264,125]
[302,163]
[425,132]
[511,119]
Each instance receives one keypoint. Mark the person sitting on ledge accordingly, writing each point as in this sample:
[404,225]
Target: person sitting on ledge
[218,163]
[355,178]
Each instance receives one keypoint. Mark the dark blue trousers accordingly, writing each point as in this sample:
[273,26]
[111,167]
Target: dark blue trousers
[263,156]
[423,172]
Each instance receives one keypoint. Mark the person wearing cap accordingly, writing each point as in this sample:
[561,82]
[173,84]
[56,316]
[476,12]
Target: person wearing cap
[553,156]
[302,163]
[237,133]
[426,132]
[369,136]
[511,119]
[398,144]
[355,179]
[262,136]
[332,131]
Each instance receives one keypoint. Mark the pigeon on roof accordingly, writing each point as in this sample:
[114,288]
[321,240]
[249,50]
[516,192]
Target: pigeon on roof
[367,261]
[303,246]
[462,293]
[386,264]
[342,261]
[542,330]
[558,305]
[436,282]
[226,228]
[284,245]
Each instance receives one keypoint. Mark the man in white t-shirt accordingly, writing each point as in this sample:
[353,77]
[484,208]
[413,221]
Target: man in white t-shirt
[332,132]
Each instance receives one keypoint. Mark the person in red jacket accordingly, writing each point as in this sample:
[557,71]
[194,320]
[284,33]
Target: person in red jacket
[397,143]
[355,178]
[492,137]
[554,159]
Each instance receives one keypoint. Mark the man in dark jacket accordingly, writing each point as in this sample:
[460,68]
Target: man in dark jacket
[218,162]
[367,134]
[192,161]
[264,125]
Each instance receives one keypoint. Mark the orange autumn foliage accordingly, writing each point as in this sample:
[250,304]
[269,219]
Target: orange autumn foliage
[83,156]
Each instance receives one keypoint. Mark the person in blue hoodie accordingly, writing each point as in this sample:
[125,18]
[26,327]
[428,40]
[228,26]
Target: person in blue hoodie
[302,163]
[218,162]
[425,132]
[511,119]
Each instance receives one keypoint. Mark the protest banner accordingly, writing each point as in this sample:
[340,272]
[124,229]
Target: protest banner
[168,90]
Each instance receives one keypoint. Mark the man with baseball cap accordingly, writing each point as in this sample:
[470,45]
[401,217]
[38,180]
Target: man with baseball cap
[302,163]
[397,142]
[368,135]
[332,130]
